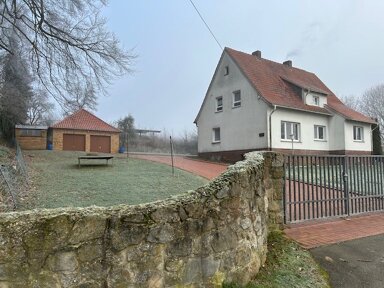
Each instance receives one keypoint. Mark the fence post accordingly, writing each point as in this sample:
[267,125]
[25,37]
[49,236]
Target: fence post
[345,184]
[171,144]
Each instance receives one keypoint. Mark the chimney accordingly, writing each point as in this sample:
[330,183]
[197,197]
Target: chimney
[257,53]
[288,63]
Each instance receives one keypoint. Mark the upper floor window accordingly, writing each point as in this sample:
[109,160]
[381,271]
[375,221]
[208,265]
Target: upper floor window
[216,137]
[236,99]
[219,104]
[316,100]
[226,70]
[31,132]
[320,132]
[290,131]
[358,133]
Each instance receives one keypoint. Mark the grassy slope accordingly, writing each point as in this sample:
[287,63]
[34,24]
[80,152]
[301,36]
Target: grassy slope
[287,266]
[59,182]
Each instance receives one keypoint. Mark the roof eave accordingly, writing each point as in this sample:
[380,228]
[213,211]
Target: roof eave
[349,118]
[304,110]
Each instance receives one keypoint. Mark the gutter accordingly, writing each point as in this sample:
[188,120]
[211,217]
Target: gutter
[270,127]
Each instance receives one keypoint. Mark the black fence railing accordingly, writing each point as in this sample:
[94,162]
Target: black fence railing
[332,186]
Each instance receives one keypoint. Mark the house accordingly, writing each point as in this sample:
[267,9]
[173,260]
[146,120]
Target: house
[257,104]
[31,137]
[83,131]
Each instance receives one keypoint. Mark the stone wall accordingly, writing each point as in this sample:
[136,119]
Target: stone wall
[200,239]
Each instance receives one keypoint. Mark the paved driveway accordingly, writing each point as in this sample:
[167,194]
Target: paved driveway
[354,264]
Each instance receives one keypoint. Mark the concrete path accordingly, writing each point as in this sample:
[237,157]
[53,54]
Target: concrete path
[204,169]
[315,234]
[354,264]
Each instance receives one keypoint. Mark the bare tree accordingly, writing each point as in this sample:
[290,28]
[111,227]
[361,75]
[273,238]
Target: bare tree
[66,42]
[39,108]
[352,102]
[83,96]
[372,104]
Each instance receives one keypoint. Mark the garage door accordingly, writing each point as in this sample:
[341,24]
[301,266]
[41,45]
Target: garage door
[72,142]
[101,144]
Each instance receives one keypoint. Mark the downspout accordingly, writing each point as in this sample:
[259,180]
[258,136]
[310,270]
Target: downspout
[270,127]
[377,126]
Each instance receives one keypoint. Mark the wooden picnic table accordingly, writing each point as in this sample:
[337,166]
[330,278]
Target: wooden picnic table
[95,157]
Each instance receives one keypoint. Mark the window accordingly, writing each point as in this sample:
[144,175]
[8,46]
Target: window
[216,135]
[316,100]
[219,104]
[290,130]
[320,132]
[31,133]
[236,99]
[226,70]
[358,133]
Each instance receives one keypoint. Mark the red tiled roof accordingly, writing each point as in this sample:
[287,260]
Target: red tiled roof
[84,120]
[273,81]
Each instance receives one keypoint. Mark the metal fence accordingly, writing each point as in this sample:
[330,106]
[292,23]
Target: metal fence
[13,182]
[332,186]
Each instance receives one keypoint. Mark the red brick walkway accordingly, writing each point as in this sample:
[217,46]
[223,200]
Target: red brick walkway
[310,235]
[204,169]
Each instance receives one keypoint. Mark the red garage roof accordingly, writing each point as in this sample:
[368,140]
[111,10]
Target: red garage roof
[276,83]
[84,120]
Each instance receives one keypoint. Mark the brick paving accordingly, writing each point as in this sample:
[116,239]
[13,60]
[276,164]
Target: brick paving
[204,169]
[315,234]
[308,234]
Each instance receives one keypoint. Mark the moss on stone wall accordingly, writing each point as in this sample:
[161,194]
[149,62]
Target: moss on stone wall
[199,239]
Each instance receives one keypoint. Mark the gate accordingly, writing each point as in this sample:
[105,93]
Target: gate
[332,186]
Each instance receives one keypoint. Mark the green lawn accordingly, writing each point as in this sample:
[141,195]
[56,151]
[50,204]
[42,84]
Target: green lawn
[57,181]
[287,266]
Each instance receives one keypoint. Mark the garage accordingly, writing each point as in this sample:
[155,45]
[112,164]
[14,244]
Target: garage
[73,142]
[100,144]
[83,131]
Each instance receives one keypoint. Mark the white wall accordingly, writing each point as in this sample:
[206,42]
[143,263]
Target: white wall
[307,122]
[350,144]
[336,133]
[240,127]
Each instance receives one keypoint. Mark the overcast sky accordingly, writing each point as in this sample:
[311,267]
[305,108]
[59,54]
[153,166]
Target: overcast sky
[340,41]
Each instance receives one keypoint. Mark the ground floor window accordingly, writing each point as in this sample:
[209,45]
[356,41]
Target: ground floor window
[320,132]
[290,130]
[216,137]
[358,133]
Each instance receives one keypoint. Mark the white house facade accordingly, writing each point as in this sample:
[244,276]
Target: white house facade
[257,104]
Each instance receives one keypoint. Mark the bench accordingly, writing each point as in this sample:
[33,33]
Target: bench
[107,158]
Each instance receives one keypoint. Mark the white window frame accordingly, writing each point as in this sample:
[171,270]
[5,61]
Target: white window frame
[287,134]
[236,103]
[219,108]
[316,132]
[355,134]
[316,100]
[214,139]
